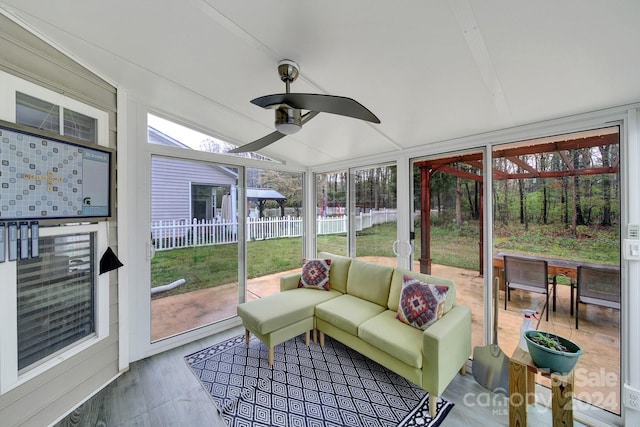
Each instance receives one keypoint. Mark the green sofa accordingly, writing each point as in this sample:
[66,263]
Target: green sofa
[360,311]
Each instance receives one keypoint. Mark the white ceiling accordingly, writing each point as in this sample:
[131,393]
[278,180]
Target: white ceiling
[430,70]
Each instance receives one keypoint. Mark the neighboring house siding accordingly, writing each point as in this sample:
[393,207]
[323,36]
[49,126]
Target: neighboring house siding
[50,395]
[171,185]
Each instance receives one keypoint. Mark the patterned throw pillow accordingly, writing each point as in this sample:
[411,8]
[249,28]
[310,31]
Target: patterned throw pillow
[315,274]
[421,304]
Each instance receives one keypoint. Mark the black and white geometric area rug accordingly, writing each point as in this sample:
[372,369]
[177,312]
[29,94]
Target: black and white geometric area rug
[308,386]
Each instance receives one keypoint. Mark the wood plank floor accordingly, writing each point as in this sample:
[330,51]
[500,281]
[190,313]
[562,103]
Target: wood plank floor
[162,391]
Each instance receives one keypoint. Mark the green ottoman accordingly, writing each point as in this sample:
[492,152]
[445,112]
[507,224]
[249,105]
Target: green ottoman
[280,317]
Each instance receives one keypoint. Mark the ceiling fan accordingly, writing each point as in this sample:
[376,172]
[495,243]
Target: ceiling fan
[288,106]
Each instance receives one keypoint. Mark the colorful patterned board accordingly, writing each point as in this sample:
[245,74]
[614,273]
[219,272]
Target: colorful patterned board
[44,178]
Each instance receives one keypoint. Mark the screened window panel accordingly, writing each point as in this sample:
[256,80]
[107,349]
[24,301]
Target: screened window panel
[37,113]
[80,126]
[56,300]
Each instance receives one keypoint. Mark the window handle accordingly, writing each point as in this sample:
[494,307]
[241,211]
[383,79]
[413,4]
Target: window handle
[397,250]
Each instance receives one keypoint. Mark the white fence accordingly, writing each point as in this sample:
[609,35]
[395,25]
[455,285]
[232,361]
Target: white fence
[182,233]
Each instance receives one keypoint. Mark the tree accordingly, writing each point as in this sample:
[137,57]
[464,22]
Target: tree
[545,203]
[375,188]
[442,184]
[289,184]
[473,199]
[522,199]
[577,202]
[605,151]
[458,201]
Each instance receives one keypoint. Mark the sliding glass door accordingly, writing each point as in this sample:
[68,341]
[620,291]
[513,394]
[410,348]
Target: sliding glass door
[212,222]
[556,200]
[194,233]
[448,226]
[274,228]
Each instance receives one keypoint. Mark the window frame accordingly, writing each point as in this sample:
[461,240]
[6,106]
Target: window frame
[10,84]
[9,375]
[10,378]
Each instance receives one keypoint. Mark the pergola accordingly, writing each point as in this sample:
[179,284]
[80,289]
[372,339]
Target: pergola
[512,153]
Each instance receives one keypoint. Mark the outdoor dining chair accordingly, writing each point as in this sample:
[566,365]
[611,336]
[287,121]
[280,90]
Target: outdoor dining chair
[599,286]
[529,275]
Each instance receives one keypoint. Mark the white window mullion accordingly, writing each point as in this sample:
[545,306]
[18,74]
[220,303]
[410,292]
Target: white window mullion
[61,121]
[9,330]
[102,284]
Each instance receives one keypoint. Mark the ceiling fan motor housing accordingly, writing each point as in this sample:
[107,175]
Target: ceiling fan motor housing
[288,120]
[288,70]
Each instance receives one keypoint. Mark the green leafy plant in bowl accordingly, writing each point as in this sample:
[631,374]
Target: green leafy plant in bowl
[548,341]
[552,352]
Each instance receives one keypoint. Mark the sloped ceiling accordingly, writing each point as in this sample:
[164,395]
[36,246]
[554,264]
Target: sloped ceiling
[430,70]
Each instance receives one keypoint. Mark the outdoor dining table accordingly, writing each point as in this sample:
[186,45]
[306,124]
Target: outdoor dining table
[555,267]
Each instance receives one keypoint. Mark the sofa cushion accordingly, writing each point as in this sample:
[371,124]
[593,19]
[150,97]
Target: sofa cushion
[269,314]
[339,271]
[315,274]
[396,287]
[395,338]
[421,304]
[370,282]
[347,312]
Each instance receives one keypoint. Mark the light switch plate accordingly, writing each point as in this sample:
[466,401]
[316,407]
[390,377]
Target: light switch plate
[631,249]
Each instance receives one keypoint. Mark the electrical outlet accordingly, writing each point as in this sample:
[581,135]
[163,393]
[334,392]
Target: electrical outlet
[631,397]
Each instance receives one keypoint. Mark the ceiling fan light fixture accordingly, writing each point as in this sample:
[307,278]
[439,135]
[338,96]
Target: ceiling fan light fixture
[288,120]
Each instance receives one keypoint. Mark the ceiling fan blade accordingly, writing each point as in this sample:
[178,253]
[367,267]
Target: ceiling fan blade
[258,143]
[269,139]
[317,102]
[309,115]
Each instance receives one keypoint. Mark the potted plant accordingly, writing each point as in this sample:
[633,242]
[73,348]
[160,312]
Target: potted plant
[552,352]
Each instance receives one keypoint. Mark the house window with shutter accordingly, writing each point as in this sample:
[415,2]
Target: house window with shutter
[55,296]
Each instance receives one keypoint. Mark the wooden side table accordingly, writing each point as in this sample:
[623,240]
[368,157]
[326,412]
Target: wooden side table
[522,382]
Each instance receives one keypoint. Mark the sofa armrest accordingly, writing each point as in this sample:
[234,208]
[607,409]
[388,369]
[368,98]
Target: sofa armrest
[446,348]
[289,281]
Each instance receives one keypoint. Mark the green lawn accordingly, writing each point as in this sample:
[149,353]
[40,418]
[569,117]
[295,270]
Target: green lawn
[201,267]
[209,266]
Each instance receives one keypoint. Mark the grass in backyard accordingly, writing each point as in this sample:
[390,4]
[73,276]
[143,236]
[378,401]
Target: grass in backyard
[375,241]
[201,267]
[273,256]
[210,266]
[592,244]
[332,243]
